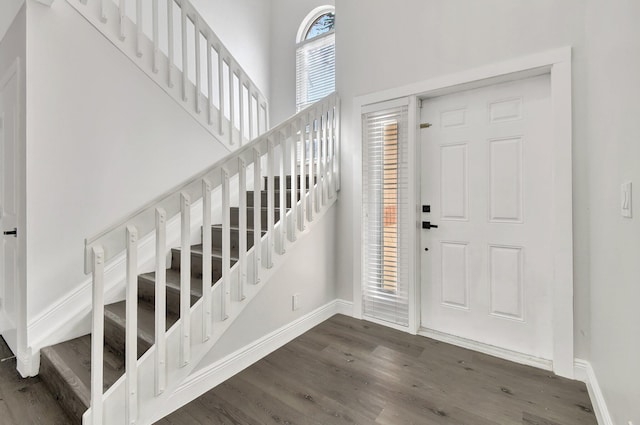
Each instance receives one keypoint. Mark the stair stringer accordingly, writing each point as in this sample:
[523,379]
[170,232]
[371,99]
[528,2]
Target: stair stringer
[154,407]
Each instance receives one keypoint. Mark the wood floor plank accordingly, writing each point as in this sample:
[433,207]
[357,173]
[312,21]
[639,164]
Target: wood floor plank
[25,401]
[348,371]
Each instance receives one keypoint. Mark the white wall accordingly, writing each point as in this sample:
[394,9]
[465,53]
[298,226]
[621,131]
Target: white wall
[102,140]
[13,47]
[8,11]
[308,271]
[613,48]
[287,15]
[428,38]
[243,27]
[415,40]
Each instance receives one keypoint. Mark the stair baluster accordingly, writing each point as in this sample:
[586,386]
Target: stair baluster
[161,302]
[292,157]
[185,278]
[270,202]
[283,193]
[303,173]
[131,332]
[242,225]
[312,161]
[257,216]
[97,335]
[207,316]
[225,290]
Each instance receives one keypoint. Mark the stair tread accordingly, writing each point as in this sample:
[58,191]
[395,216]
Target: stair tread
[72,359]
[173,281]
[234,227]
[197,249]
[146,319]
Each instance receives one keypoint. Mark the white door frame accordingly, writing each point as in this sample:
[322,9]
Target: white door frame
[23,354]
[557,63]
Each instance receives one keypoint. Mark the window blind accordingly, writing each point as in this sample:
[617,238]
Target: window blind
[315,69]
[385,211]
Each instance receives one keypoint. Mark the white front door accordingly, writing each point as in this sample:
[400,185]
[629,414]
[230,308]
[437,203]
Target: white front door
[8,207]
[486,178]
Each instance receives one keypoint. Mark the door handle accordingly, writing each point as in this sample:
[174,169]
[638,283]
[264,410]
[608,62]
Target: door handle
[427,225]
[13,233]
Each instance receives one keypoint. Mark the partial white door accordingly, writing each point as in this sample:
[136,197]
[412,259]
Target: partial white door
[8,206]
[486,177]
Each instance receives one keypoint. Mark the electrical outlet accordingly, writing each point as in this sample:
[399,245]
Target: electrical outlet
[295,302]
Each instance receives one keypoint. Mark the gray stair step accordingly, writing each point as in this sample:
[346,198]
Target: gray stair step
[235,217]
[263,198]
[66,370]
[234,236]
[196,262]
[288,180]
[114,326]
[147,289]
[66,367]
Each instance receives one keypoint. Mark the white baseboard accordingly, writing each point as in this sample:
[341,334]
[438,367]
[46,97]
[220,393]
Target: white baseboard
[344,307]
[491,350]
[218,372]
[584,372]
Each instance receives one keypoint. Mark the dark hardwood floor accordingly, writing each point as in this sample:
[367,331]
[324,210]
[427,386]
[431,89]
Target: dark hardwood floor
[25,401]
[347,371]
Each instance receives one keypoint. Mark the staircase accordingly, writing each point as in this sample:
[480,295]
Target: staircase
[143,348]
[66,367]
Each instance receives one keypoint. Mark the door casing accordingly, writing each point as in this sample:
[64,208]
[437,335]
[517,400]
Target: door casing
[20,347]
[556,63]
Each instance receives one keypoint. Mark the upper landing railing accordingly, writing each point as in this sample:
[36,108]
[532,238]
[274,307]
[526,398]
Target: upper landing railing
[173,44]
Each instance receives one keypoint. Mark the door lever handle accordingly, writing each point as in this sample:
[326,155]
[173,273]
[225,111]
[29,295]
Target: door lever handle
[13,232]
[427,225]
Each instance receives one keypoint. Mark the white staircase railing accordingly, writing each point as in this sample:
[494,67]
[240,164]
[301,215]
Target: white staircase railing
[306,147]
[172,43]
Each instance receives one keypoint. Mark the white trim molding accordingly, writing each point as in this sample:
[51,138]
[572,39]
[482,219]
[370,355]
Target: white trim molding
[491,350]
[584,372]
[557,63]
[207,378]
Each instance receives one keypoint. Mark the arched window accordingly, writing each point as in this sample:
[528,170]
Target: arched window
[316,57]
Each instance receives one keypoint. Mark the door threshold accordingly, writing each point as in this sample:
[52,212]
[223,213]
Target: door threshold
[501,353]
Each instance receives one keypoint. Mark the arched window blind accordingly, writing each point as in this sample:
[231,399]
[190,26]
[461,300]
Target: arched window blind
[315,69]
[386,226]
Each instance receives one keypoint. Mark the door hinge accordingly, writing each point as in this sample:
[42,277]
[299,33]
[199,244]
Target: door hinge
[425,125]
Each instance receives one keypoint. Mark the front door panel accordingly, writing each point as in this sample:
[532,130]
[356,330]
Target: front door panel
[486,175]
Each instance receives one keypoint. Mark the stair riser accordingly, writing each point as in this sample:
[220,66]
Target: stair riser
[288,180]
[147,293]
[64,393]
[235,217]
[196,264]
[263,199]
[114,337]
[234,238]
